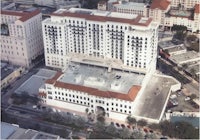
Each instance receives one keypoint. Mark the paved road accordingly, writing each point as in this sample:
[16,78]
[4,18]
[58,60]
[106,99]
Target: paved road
[15,85]
[18,82]
[189,83]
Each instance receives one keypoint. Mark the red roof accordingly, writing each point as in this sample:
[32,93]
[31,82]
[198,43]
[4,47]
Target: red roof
[104,18]
[42,94]
[102,2]
[53,80]
[160,4]
[130,96]
[197,8]
[23,15]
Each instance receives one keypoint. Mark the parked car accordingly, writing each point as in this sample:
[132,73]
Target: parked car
[187,98]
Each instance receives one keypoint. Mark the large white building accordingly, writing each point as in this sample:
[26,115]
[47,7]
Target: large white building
[107,59]
[21,35]
[129,41]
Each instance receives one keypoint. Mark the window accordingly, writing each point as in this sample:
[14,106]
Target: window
[49,97]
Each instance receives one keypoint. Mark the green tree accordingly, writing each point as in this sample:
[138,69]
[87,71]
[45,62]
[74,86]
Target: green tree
[101,119]
[137,135]
[151,136]
[142,123]
[99,126]
[154,126]
[111,129]
[125,133]
[193,96]
[193,72]
[130,120]
[80,122]
[86,110]
[185,66]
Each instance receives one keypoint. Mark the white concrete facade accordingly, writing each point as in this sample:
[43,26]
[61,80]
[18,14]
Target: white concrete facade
[21,39]
[188,4]
[158,11]
[79,101]
[110,39]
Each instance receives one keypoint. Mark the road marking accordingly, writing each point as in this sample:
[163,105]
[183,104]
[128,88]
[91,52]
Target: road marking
[8,107]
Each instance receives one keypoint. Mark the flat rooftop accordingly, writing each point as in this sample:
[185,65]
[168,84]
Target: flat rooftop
[103,16]
[18,7]
[177,48]
[151,103]
[9,131]
[184,57]
[7,69]
[168,44]
[194,68]
[100,78]
[131,5]
[37,80]
[180,13]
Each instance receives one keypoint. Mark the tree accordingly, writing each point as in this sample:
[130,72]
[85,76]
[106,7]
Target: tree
[86,110]
[182,130]
[154,126]
[130,120]
[99,126]
[193,72]
[137,135]
[142,123]
[180,28]
[125,133]
[151,136]
[111,129]
[80,122]
[193,96]
[101,119]
[185,66]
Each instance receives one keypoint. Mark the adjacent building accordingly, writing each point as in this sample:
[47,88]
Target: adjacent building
[187,4]
[21,35]
[9,73]
[130,8]
[166,12]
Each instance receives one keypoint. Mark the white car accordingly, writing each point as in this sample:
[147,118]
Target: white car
[187,98]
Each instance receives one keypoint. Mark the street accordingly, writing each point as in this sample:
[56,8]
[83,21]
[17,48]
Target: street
[187,82]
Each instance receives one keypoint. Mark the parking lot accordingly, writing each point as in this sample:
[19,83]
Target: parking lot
[184,104]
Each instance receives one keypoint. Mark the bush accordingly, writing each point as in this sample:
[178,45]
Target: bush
[142,123]
[182,130]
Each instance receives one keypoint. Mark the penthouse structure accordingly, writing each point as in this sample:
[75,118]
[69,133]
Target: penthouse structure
[128,7]
[21,35]
[102,38]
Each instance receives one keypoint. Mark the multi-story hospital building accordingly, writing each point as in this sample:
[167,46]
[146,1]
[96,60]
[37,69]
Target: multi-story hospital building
[107,59]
